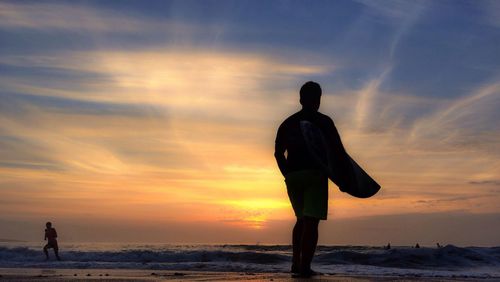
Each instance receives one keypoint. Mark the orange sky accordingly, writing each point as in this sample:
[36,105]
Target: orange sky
[185,134]
[202,147]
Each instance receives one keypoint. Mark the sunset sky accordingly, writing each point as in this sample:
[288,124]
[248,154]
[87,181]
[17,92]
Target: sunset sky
[154,121]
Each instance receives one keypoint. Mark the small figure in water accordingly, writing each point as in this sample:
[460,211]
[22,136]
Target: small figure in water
[438,245]
[51,237]
[388,247]
[417,246]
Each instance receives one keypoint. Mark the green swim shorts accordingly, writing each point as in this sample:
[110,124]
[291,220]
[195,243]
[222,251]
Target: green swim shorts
[308,193]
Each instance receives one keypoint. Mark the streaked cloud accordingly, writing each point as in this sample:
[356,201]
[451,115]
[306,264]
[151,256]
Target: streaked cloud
[394,9]
[464,121]
[491,9]
[486,182]
[76,17]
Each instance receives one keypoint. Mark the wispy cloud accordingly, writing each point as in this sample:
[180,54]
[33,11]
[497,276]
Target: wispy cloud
[491,10]
[76,17]
[168,110]
[464,121]
[394,9]
[403,14]
[170,122]
[494,182]
[366,99]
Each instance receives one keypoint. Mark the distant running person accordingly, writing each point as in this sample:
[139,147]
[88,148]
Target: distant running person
[51,237]
[306,183]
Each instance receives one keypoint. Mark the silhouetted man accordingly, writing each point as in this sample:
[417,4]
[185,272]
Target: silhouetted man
[51,237]
[306,182]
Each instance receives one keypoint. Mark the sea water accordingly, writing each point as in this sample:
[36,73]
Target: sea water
[448,261]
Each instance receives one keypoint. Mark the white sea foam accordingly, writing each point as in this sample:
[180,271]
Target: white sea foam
[449,261]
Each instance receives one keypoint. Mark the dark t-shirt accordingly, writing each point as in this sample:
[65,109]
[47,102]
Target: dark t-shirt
[290,139]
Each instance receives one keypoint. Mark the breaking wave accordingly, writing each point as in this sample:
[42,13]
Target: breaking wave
[446,261]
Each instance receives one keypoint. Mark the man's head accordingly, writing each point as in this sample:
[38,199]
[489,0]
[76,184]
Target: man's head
[310,96]
[48,224]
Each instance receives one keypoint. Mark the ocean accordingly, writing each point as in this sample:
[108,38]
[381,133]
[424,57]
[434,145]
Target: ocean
[447,261]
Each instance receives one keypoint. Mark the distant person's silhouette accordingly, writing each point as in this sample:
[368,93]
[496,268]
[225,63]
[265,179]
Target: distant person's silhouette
[417,246]
[307,184]
[388,247]
[51,237]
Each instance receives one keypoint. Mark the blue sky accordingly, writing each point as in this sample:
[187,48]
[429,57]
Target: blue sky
[455,39]
[181,100]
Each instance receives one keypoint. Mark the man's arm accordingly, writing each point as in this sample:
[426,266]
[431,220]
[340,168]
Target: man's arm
[279,151]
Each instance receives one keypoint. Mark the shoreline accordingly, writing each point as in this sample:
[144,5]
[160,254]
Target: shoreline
[139,275]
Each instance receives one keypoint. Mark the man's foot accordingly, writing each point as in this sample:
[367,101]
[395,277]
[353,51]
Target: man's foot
[295,269]
[306,274]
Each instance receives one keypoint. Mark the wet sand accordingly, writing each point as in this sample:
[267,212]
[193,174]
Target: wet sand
[32,274]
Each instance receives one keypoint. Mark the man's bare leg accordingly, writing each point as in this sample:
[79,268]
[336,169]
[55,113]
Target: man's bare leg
[309,242]
[56,251]
[46,252]
[298,230]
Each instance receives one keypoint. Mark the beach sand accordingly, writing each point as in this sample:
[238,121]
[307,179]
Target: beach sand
[33,274]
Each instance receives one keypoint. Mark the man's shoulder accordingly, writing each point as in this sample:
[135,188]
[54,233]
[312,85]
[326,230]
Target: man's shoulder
[325,117]
[324,120]
[293,118]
